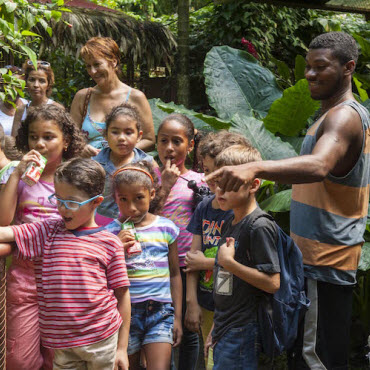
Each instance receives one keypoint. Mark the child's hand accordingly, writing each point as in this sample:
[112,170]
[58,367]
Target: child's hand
[89,151]
[6,249]
[121,362]
[226,252]
[177,332]
[169,175]
[127,239]
[194,261]
[31,156]
[193,317]
[207,344]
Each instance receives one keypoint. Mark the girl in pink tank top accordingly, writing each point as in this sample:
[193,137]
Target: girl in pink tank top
[175,141]
[48,131]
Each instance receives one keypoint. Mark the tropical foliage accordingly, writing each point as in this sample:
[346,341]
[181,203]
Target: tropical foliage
[274,121]
[17,18]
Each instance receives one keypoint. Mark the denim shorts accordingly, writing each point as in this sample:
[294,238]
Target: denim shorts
[238,349]
[151,322]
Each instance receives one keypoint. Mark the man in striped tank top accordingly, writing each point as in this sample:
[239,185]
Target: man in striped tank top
[329,200]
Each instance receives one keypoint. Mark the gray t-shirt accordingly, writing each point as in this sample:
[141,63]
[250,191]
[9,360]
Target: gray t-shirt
[255,246]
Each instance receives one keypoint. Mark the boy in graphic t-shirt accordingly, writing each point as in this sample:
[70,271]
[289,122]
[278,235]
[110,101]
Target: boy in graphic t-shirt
[246,266]
[206,226]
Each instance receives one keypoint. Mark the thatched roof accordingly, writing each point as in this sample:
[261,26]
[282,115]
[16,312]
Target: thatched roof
[139,41]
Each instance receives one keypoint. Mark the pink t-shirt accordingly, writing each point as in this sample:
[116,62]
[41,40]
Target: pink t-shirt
[33,204]
[179,209]
[76,274]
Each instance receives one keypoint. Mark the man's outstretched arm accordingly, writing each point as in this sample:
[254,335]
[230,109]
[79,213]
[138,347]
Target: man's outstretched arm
[340,134]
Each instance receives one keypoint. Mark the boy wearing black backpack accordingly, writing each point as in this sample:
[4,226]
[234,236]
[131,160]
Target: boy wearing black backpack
[247,267]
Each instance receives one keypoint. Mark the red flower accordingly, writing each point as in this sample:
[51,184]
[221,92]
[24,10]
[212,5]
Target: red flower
[249,47]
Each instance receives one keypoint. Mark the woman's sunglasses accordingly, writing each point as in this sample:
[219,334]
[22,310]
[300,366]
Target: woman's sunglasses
[39,62]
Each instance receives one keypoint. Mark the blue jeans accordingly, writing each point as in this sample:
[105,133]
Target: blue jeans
[189,347]
[238,349]
[151,322]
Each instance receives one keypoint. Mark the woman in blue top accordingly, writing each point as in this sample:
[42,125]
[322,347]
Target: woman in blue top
[90,106]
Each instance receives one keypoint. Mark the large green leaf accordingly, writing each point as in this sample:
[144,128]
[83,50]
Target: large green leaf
[283,69]
[270,146]
[362,92]
[288,115]
[294,141]
[279,202]
[364,44]
[158,114]
[300,66]
[364,264]
[30,53]
[200,120]
[161,110]
[236,83]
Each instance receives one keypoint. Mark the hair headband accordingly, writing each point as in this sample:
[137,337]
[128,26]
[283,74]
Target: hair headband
[134,169]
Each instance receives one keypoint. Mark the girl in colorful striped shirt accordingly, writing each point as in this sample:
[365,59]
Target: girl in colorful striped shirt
[155,282]
[175,141]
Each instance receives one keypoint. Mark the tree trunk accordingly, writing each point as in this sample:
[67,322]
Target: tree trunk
[183,53]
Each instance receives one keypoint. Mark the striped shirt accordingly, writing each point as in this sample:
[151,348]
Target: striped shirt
[149,272]
[328,218]
[179,209]
[76,274]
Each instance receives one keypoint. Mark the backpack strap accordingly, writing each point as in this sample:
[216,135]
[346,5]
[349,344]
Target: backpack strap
[264,298]
[86,104]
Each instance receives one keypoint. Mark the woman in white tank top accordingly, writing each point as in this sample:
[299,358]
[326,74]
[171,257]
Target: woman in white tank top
[39,84]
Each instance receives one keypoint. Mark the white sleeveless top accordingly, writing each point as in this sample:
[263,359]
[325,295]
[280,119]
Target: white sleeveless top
[50,101]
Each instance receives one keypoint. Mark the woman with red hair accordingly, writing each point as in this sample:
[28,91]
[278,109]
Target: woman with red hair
[90,106]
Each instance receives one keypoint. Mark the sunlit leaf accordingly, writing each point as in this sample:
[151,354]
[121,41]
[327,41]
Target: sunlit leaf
[279,202]
[289,114]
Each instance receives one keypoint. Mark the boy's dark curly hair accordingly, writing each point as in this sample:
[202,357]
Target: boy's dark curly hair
[51,112]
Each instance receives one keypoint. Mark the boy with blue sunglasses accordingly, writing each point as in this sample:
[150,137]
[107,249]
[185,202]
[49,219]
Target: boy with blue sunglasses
[84,302]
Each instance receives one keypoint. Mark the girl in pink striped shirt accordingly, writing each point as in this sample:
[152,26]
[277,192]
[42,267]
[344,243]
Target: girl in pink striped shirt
[48,130]
[175,141]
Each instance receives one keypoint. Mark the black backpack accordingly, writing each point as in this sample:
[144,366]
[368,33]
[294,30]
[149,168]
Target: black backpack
[279,314]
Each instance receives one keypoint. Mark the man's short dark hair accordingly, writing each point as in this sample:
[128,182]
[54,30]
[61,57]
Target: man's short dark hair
[343,46]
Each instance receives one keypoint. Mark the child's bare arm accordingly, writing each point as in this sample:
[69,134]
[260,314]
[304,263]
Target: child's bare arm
[176,291]
[124,308]
[6,249]
[193,315]
[8,199]
[9,191]
[269,283]
[6,234]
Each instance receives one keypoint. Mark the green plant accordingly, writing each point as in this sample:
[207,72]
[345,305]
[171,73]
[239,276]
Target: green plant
[234,75]
[17,18]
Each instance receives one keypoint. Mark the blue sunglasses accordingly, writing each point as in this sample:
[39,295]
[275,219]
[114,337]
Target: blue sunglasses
[69,204]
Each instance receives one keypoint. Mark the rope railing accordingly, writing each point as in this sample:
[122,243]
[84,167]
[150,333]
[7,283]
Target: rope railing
[2,313]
